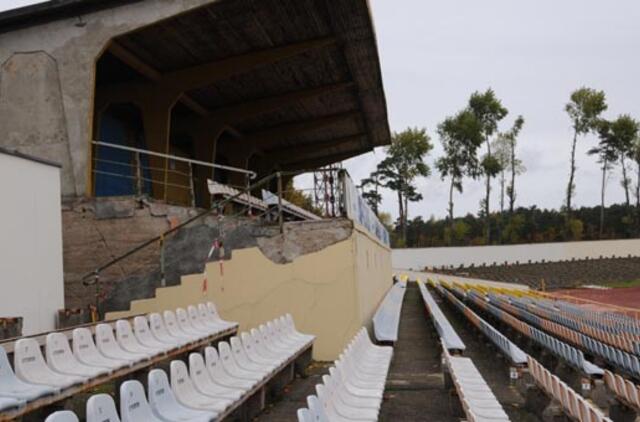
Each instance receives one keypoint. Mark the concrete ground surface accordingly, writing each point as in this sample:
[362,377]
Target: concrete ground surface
[295,395]
[415,389]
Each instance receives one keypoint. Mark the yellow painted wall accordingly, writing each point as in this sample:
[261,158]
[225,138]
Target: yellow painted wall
[330,293]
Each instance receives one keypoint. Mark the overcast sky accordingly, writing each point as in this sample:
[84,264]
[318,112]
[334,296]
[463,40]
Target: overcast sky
[533,54]
[434,54]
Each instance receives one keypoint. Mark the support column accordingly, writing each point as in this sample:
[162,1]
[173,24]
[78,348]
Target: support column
[156,118]
[205,141]
[238,156]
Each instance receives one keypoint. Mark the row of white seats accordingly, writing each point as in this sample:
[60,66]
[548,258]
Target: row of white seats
[354,388]
[70,365]
[209,386]
[478,401]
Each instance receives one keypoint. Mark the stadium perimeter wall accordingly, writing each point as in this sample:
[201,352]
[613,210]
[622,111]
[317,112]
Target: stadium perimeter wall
[330,293]
[419,258]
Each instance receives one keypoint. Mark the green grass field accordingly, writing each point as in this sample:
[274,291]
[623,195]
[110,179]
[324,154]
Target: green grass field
[622,284]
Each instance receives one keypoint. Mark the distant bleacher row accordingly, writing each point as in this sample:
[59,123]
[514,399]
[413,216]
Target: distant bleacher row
[524,367]
[267,206]
[386,319]
[556,274]
[211,388]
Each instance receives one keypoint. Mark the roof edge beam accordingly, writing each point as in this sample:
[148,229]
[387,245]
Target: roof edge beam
[314,163]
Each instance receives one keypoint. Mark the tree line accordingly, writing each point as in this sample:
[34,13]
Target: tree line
[477,146]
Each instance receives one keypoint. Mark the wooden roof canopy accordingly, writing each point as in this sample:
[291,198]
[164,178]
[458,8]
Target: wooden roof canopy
[297,80]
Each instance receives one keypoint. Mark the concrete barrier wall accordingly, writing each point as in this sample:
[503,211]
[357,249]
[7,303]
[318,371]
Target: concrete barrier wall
[330,293]
[420,258]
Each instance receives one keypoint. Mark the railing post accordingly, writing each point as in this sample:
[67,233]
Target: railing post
[248,192]
[163,281]
[138,174]
[96,280]
[280,218]
[192,189]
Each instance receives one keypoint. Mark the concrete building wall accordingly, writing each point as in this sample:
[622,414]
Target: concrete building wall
[31,281]
[47,79]
[330,293]
[420,258]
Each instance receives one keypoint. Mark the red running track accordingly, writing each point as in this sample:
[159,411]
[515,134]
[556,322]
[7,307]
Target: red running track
[628,297]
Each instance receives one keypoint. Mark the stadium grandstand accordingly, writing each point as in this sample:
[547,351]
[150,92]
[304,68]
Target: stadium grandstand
[157,265]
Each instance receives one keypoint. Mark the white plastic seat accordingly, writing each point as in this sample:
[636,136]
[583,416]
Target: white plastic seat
[337,373]
[184,322]
[205,384]
[62,416]
[356,379]
[340,414]
[304,415]
[109,347]
[211,320]
[254,354]
[31,367]
[133,403]
[9,403]
[147,338]
[367,405]
[129,342]
[12,387]
[263,350]
[60,358]
[243,360]
[101,408]
[159,330]
[213,311]
[288,320]
[220,375]
[187,394]
[260,342]
[231,366]
[85,350]
[287,328]
[164,404]
[200,323]
[284,342]
[284,332]
[171,322]
[271,344]
[316,409]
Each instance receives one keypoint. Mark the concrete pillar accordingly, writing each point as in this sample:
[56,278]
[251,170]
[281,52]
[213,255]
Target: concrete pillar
[205,150]
[156,118]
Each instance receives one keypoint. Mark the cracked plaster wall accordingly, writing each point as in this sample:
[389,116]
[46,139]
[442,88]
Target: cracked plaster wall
[330,293]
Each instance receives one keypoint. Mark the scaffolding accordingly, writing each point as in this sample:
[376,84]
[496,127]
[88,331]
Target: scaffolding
[327,191]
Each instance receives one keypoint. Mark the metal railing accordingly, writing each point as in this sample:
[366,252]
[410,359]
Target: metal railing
[138,171]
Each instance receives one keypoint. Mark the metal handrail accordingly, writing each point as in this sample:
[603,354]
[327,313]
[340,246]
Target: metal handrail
[252,174]
[142,179]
